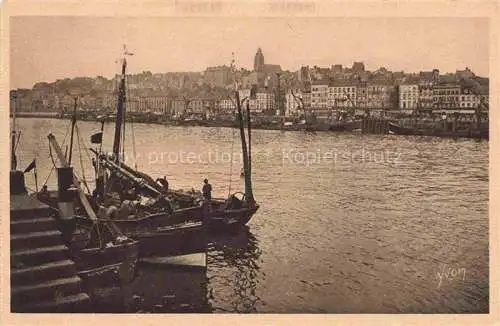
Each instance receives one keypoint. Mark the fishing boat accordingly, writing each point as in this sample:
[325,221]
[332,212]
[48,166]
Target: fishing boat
[237,210]
[188,211]
[399,130]
[100,250]
[482,133]
[102,253]
[141,210]
[162,223]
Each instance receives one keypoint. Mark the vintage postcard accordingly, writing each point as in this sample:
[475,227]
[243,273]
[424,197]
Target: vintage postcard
[208,159]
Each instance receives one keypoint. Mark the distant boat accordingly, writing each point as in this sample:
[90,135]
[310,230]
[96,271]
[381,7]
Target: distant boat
[470,133]
[345,125]
[399,130]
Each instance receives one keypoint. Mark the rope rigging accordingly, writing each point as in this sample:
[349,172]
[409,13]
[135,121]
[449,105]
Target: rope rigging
[80,155]
[133,143]
[231,166]
[17,142]
[132,132]
[52,156]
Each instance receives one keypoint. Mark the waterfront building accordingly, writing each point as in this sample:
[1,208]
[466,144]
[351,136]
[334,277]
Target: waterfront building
[468,99]
[265,101]
[178,106]
[319,96]
[361,96]
[380,95]
[148,104]
[197,106]
[307,98]
[408,96]
[446,96]
[342,95]
[425,97]
[244,93]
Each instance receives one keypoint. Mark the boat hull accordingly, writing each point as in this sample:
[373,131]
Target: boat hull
[178,233]
[114,264]
[398,130]
[223,219]
[345,126]
[475,134]
[165,234]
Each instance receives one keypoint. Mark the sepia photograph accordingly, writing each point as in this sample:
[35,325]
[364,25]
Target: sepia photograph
[266,165]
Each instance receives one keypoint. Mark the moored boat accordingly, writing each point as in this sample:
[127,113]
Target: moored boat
[399,130]
[434,132]
[345,125]
[130,200]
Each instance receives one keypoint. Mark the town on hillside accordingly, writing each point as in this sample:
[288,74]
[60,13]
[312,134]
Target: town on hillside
[270,90]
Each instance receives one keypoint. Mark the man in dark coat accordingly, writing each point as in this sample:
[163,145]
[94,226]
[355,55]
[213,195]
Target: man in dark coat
[207,190]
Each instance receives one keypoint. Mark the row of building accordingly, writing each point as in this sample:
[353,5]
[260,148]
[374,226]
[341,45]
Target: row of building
[320,98]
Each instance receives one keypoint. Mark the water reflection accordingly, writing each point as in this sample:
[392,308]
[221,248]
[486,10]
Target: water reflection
[234,263]
[156,290]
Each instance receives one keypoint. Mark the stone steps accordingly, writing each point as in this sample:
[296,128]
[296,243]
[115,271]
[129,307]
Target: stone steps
[43,277]
[37,256]
[35,239]
[45,291]
[30,213]
[33,225]
[41,273]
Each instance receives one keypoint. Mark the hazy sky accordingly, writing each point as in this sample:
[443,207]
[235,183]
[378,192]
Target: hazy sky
[50,48]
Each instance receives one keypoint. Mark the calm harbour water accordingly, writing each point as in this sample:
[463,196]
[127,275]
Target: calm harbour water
[349,223]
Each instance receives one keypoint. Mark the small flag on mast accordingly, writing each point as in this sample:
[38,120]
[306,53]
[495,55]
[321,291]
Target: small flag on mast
[31,166]
[96,138]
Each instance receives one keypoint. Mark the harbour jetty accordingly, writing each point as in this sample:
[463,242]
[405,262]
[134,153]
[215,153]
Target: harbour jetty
[43,276]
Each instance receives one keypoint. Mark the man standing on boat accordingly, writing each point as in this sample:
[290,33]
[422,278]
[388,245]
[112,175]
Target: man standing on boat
[207,190]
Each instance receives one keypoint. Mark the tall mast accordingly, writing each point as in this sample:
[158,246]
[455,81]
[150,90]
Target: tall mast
[278,97]
[249,127]
[245,150]
[73,122]
[120,114]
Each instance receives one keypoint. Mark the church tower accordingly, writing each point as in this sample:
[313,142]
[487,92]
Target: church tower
[258,64]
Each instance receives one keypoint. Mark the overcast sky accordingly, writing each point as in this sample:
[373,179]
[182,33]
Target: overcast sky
[50,48]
